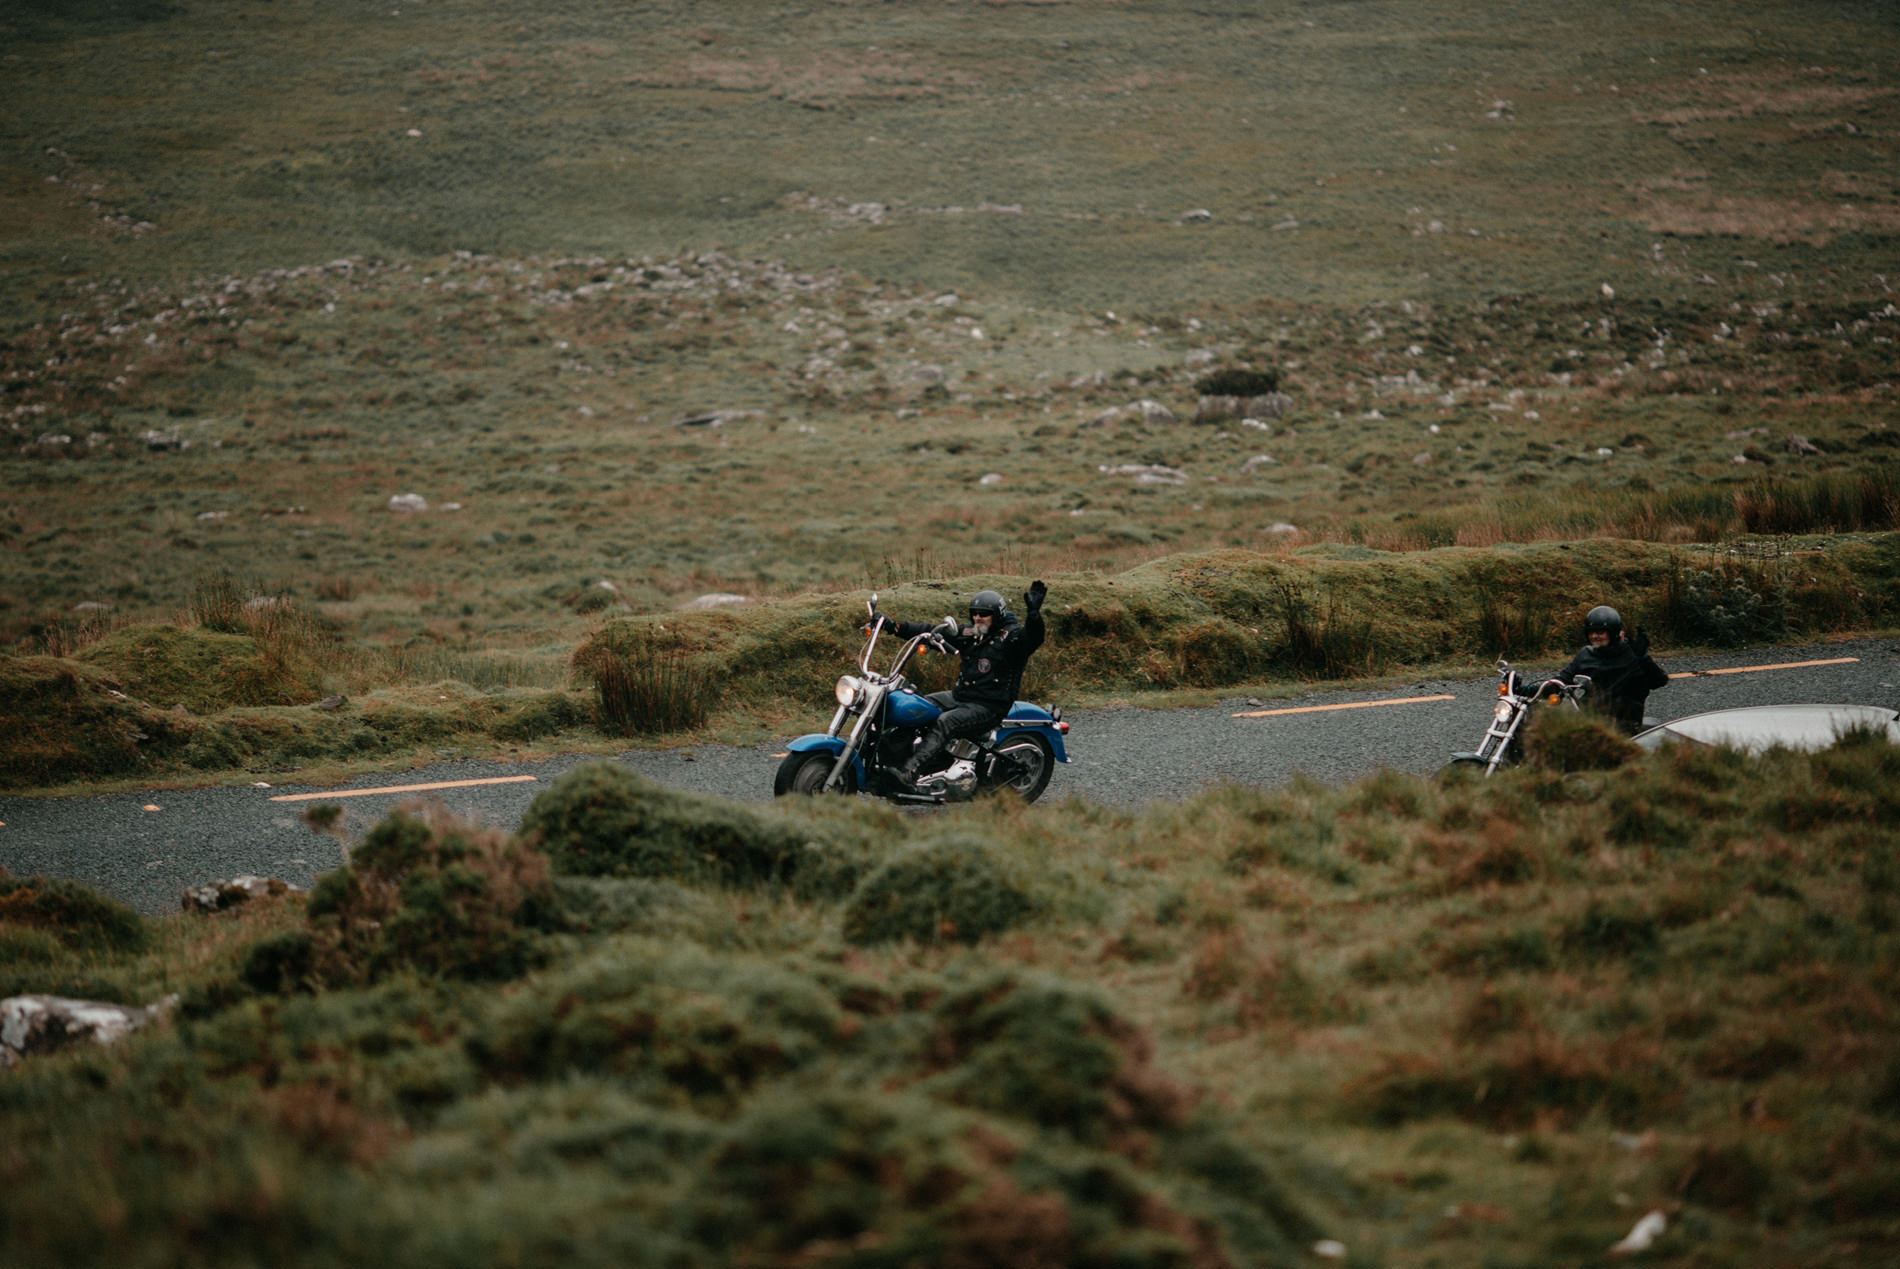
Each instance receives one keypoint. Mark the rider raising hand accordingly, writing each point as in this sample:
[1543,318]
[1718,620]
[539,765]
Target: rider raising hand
[993,649]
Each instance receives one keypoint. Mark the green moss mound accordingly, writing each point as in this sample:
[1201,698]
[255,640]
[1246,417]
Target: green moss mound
[203,670]
[429,894]
[681,1024]
[76,916]
[603,820]
[63,721]
[1577,740]
[922,1184]
[956,888]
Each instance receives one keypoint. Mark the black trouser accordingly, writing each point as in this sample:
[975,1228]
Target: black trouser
[960,720]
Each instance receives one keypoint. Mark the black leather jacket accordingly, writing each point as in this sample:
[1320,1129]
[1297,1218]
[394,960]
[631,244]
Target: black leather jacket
[1620,680]
[992,664]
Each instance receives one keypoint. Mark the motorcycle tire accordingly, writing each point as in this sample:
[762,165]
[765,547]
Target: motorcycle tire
[804,774]
[1459,770]
[1036,762]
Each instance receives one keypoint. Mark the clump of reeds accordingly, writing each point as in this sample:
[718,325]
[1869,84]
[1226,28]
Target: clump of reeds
[1867,501]
[645,684]
[1326,639]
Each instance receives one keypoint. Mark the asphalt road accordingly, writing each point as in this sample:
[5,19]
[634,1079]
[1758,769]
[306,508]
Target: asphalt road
[146,848]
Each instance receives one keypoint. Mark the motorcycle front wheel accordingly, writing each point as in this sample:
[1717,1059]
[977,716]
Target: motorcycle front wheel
[1034,762]
[805,774]
[1459,770]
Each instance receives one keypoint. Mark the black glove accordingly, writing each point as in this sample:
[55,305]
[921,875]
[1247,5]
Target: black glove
[1032,598]
[1639,642]
[875,617]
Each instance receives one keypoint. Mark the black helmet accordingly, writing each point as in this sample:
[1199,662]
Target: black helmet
[986,603]
[1604,618]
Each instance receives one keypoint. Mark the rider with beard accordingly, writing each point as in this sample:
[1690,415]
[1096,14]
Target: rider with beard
[993,648]
[1621,674]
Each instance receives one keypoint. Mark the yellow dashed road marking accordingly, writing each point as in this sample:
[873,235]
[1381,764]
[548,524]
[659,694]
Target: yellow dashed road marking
[1749,669]
[399,788]
[1321,709]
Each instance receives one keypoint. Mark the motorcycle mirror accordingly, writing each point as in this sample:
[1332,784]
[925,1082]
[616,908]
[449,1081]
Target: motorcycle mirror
[872,605]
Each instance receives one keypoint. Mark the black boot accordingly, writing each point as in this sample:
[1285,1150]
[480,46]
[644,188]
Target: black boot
[928,750]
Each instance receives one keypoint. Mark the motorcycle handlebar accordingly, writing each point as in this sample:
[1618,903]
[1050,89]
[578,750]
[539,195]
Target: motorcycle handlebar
[1551,687]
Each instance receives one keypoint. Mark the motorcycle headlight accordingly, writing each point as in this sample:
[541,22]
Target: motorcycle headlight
[849,690]
[1503,710]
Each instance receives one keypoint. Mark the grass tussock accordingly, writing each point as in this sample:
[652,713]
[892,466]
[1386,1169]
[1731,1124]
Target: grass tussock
[426,894]
[643,683]
[1278,1016]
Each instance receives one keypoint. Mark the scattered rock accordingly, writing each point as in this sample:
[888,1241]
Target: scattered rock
[408,502]
[1641,1236]
[717,599]
[1214,409]
[1147,473]
[1197,216]
[1199,357]
[1257,461]
[1422,459]
[927,375]
[1152,413]
[1281,526]
[157,440]
[91,605]
[1802,446]
[990,478]
[216,896]
[337,701]
[32,1025]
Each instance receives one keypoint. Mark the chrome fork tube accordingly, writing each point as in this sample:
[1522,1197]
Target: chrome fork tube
[1504,738]
[856,738]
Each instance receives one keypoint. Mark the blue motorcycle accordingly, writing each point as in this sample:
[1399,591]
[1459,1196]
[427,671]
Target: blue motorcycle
[881,718]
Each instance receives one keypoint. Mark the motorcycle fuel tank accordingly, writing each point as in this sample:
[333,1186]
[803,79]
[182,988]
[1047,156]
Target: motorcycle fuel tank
[908,709]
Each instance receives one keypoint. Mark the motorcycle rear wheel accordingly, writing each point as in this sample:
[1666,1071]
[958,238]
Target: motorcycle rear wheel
[1035,761]
[805,774]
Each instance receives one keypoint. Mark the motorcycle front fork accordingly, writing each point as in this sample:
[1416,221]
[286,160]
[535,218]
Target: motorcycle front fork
[1493,754]
[851,744]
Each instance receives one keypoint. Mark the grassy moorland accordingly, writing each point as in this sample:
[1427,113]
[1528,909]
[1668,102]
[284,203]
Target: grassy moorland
[1484,1023]
[784,302]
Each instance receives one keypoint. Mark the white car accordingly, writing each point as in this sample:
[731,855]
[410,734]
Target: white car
[1756,728]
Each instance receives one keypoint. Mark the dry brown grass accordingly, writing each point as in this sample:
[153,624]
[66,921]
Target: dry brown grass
[1783,220]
